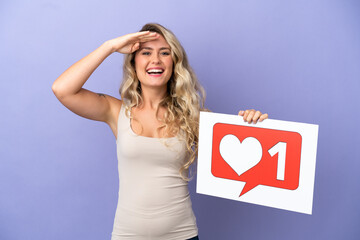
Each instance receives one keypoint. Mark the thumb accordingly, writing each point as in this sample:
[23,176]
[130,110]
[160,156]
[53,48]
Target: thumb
[135,47]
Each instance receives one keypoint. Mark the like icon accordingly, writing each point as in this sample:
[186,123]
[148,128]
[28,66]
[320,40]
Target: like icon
[256,156]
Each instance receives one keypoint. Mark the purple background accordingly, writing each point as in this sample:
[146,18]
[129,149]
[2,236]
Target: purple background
[296,60]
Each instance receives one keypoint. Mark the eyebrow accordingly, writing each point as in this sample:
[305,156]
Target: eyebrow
[149,48]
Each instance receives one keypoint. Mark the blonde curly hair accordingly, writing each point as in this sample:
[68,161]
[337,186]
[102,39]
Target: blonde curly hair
[185,96]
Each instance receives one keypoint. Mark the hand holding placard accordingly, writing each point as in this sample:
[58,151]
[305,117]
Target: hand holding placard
[273,162]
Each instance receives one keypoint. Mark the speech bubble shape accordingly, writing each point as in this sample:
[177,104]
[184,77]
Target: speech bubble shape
[279,165]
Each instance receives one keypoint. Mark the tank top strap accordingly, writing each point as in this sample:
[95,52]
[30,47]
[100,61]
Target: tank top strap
[123,120]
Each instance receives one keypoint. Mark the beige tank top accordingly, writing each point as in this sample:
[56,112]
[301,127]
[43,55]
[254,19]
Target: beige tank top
[154,201]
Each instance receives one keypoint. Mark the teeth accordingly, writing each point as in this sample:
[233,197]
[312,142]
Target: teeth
[155,71]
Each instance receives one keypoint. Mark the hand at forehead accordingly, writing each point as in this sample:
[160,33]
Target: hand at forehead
[158,43]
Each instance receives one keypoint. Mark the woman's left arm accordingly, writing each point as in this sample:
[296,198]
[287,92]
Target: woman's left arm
[253,116]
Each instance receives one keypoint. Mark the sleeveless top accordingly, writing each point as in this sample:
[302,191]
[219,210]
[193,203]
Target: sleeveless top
[154,201]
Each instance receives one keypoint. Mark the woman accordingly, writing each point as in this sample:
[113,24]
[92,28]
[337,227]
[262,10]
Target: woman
[156,128]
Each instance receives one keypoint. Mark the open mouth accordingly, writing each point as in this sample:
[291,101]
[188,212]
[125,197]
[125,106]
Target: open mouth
[155,71]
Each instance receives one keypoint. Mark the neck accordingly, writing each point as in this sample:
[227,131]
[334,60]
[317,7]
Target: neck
[152,97]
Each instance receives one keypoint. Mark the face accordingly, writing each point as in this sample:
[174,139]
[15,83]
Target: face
[153,63]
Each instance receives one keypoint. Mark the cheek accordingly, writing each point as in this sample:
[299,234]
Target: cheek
[170,64]
[139,65]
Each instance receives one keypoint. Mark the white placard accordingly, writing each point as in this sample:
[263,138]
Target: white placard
[270,163]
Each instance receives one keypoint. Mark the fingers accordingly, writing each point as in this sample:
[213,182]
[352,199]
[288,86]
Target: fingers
[246,114]
[252,115]
[138,37]
[146,36]
[256,116]
[131,42]
[142,37]
[263,117]
[142,34]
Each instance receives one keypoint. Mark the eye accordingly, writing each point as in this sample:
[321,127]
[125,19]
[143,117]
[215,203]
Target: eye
[145,53]
[165,53]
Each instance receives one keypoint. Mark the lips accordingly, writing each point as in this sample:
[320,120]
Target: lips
[155,71]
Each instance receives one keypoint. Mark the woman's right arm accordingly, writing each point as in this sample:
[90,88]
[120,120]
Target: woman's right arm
[68,86]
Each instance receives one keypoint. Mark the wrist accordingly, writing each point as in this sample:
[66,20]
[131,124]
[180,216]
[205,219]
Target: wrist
[108,46]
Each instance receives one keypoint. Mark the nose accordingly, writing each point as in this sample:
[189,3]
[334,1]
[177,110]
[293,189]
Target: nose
[155,59]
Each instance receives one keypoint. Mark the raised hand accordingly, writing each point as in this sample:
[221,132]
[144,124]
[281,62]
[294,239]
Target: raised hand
[131,42]
[253,116]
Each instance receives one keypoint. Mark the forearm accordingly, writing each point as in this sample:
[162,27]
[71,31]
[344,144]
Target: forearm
[72,80]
